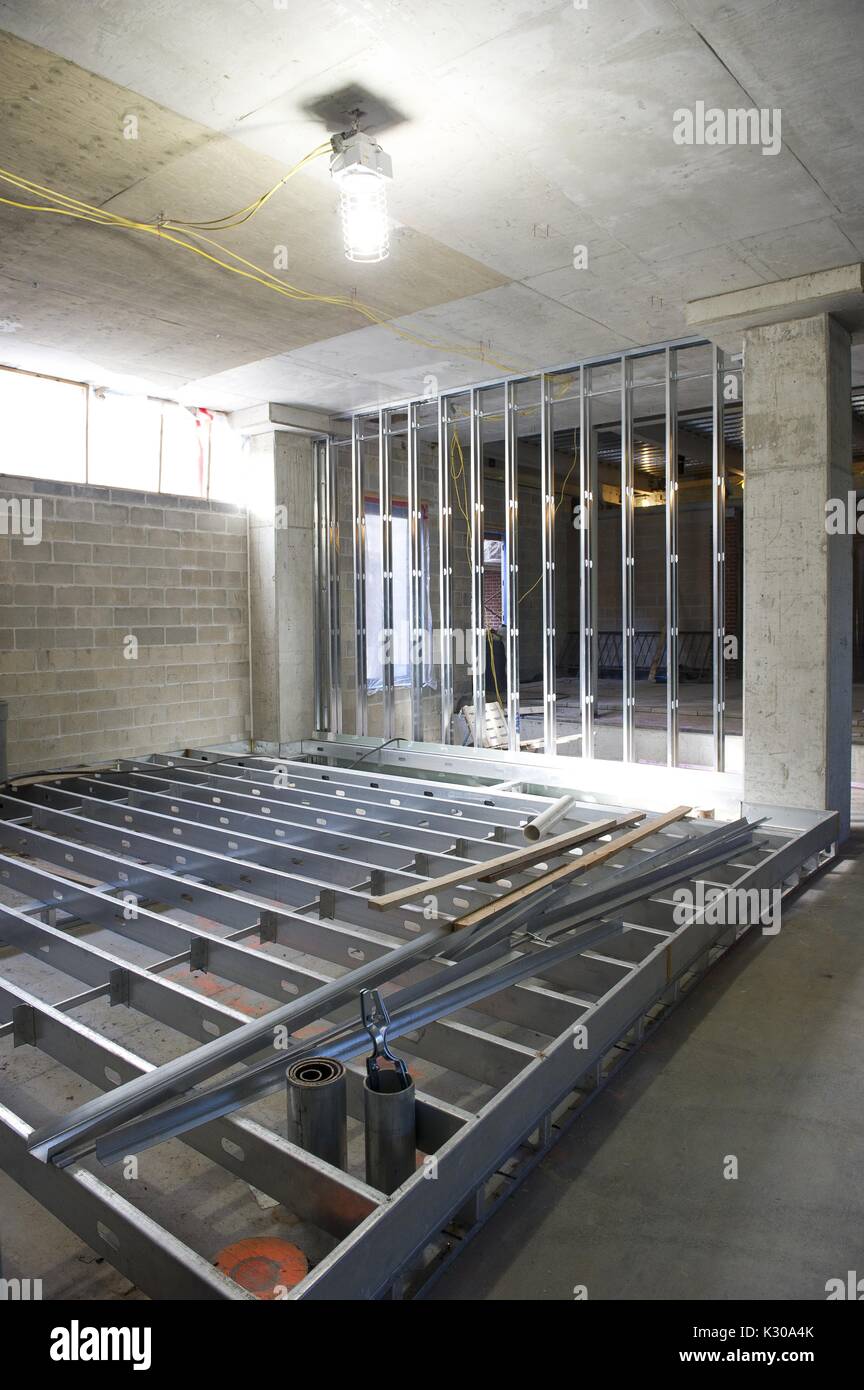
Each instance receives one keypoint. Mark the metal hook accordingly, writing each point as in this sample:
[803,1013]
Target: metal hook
[376,1021]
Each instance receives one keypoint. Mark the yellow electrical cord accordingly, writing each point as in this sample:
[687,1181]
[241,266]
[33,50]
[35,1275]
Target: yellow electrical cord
[495,675]
[164,229]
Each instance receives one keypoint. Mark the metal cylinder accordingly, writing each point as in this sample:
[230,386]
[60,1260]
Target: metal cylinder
[391,1132]
[318,1108]
[546,819]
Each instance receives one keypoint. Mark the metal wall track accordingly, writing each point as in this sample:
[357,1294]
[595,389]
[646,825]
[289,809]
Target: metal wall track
[194,891]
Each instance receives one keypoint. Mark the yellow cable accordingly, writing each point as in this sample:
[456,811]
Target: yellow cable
[230,219]
[495,675]
[73,207]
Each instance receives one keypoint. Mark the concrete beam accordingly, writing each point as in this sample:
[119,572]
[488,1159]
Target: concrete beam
[724,318]
[292,419]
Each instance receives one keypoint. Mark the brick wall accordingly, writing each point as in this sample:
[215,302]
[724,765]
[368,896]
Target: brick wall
[168,571]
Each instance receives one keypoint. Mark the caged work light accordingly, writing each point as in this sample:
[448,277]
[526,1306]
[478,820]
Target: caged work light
[359,166]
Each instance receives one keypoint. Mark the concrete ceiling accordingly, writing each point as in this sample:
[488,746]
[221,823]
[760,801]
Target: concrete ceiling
[518,130]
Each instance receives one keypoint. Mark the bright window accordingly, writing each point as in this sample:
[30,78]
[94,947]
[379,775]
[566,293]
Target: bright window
[227,465]
[49,429]
[123,443]
[401,649]
[185,450]
[43,427]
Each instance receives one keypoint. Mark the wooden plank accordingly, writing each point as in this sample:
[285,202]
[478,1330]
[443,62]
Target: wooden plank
[559,844]
[491,869]
[568,871]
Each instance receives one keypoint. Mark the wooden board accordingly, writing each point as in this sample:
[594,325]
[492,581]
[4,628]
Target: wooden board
[491,869]
[568,871]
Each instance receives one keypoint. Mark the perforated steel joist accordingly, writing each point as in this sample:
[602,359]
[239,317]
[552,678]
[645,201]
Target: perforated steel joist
[194,891]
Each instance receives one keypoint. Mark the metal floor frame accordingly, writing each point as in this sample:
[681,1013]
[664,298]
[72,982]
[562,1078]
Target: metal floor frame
[231,858]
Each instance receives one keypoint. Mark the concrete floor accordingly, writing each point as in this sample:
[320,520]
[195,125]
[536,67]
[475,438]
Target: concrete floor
[762,1061]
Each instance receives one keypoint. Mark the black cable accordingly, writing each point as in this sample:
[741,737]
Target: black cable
[372,750]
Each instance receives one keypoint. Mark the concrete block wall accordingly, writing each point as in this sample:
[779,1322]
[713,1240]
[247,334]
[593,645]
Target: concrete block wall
[111,564]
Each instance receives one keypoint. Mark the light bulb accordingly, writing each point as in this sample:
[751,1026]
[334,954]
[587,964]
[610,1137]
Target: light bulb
[365,229]
[359,168]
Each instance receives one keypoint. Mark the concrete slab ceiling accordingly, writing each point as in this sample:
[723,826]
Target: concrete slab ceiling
[518,132]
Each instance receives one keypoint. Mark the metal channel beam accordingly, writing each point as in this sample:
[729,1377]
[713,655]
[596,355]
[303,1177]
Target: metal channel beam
[484,1057]
[385,507]
[129,919]
[308,825]
[547,552]
[672,605]
[334,608]
[392,1235]
[188,1013]
[459,794]
[478,632]
[528,1006]
[232,856]
[628,566]
[489,806]
[451,827]
[322,675]
[718,490]
[341,943]
[150,1256]
[358,498]
[445,573]
[316,1192]
[378,1250]
[511,561]
[416,588]
[588,568]
[230,811]
[486,1060]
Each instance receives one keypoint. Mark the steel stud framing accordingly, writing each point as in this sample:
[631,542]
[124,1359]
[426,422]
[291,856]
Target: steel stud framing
[587,625]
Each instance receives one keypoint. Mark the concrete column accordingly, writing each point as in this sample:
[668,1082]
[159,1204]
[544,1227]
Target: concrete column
[282,587]
[797,577]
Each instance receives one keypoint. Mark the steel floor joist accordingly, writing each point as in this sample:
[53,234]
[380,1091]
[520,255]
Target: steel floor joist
[192,892]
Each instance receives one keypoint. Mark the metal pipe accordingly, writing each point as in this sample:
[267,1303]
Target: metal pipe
[391,1131]
[546,819]
[181,1073]
[191,1111]
[318,1108]
[128,1102]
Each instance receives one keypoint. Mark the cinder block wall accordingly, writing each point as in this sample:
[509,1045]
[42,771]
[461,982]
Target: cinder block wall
[113,565]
